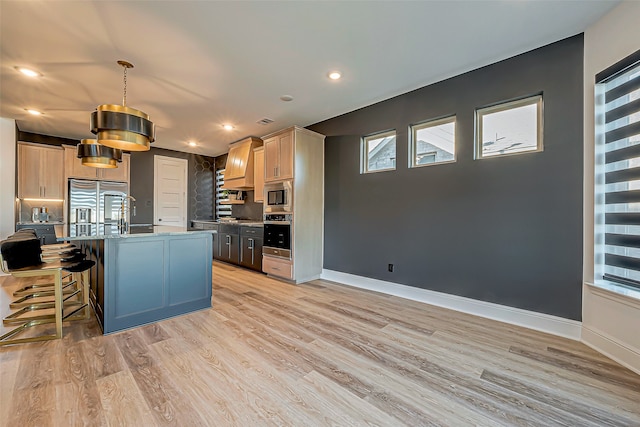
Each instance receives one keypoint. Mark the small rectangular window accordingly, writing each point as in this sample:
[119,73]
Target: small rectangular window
[433,142]
[379,152]
[509,128]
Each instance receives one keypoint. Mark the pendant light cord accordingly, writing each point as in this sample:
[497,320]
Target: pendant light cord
[124,97]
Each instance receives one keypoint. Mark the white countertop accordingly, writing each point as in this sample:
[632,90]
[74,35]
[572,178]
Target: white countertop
[136,232]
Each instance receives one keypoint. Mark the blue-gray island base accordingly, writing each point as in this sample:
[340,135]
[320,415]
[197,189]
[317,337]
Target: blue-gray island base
[144,278]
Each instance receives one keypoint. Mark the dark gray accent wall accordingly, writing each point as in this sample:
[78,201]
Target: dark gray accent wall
[200,184]
[505,230]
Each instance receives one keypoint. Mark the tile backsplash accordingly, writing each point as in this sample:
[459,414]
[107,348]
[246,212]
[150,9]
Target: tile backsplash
[55,210]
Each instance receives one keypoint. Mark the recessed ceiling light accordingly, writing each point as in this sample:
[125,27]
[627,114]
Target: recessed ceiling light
[335,75]
[227,127]
[28,72]
[286,98]
[192,143]
[34,112]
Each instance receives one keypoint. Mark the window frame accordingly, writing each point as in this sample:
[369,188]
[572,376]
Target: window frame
[364,152]
[414,128]
[504,106]
[610,232]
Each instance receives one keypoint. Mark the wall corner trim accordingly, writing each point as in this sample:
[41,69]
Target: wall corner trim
[528,319]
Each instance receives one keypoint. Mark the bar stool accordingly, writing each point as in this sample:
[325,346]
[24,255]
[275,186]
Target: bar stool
[50,253]
[21,258]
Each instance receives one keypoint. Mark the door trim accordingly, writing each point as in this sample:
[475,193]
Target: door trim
[185,199]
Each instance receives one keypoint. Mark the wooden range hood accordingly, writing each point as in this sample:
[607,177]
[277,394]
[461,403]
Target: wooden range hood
[238,173]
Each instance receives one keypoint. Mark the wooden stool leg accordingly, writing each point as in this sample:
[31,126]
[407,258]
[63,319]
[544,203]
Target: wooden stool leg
[85,293]
[58,302]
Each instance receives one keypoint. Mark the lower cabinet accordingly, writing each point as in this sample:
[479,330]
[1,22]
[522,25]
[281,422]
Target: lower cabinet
[46,232]
[251,239]
[229,243]
[235,244]
[202,225]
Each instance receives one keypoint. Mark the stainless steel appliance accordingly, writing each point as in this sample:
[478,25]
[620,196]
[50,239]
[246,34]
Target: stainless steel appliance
[97,207]
[278,197]
[277,235]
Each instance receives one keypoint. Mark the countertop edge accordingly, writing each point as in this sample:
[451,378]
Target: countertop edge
[136,235]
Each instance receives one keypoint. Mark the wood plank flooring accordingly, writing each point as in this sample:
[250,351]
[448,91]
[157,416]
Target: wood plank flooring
[318,354]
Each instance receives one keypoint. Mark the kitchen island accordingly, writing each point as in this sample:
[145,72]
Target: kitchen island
[147,274]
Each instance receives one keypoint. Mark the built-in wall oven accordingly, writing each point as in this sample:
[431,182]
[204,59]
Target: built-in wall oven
[277,235]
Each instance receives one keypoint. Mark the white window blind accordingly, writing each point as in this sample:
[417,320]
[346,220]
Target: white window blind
[221,210]
[618,174]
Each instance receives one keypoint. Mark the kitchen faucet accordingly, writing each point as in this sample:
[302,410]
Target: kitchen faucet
[123,224]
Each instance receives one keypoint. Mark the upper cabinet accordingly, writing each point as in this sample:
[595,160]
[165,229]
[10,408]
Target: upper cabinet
[75,169]
[258,174]
[238,173]
[278,156]
[40,172]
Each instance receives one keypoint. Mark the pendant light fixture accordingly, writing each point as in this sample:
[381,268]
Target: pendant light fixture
[98,156]
[122,127]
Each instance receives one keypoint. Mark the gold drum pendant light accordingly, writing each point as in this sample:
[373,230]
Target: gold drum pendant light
[98,156]
[122,127]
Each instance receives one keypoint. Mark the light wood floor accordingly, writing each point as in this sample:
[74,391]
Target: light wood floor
[318,354]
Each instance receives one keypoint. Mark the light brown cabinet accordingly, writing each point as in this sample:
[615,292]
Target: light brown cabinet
[75,169]
[278,157]
[294,158]
[40,172]
[258,174]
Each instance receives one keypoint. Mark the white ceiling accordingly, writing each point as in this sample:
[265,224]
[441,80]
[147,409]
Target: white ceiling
[199,64]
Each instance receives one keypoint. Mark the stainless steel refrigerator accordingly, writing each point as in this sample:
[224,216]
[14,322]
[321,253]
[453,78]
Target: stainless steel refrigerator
[96,207]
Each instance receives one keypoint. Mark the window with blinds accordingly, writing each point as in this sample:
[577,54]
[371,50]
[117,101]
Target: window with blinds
[222,211]
[618,173]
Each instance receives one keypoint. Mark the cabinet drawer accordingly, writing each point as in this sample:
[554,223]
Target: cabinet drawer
[252,231]
[210,226]
[40,229]
[197,225]
[277,267]
[228,228]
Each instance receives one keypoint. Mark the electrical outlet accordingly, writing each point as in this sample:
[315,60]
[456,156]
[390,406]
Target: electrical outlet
[390,268]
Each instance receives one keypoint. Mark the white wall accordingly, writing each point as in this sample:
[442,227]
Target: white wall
[7,176]
[612,38]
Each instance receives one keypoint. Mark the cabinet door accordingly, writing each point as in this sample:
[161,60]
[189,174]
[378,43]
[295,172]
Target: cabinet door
[230,248]
[285,166]
[29,171]
[73,165]
[51,173]
[257,255]
[258,175]
[251,253]
[121,173]
[271,159]
[246,249]
[217,238]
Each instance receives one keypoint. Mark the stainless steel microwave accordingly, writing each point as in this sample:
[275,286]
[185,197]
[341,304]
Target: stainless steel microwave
[278,197]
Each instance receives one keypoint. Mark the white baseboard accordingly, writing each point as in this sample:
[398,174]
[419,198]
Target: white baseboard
[611,348]
[529,319]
